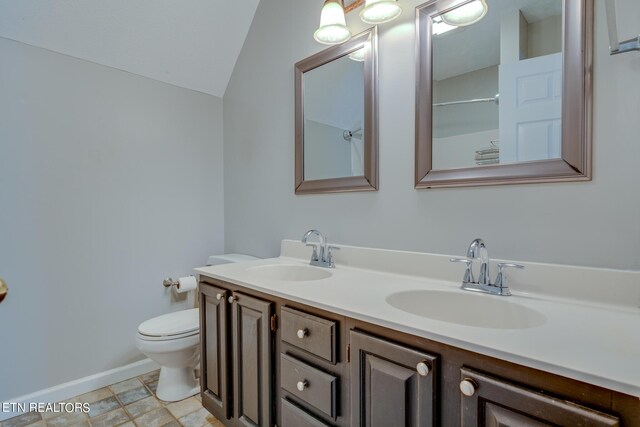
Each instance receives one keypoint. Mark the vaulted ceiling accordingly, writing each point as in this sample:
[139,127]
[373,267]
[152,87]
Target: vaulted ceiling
[193,44]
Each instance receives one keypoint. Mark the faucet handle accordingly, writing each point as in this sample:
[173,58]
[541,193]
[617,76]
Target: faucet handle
[330,249]
[501,280]
[468,274]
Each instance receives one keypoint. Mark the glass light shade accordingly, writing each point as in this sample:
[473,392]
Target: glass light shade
[466,14]
[380,11]
[333,26]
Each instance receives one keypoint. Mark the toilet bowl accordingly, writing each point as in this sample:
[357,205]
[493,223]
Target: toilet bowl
[173,342]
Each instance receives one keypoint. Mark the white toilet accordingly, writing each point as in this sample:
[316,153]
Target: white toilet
[173,342]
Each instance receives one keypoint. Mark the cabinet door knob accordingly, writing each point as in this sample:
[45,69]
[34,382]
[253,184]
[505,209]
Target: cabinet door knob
[468,387]
[303,333]
[423,369]
[219,296]
[4,289]
[302,385]
[232,298]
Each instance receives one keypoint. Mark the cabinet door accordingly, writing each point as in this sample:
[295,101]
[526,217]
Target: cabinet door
[488,401]
[252,357]
[387,388]
[214,339]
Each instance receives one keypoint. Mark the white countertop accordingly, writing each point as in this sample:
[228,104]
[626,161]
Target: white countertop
[581,339]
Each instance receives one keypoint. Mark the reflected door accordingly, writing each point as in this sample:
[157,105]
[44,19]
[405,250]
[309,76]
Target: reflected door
[531,109]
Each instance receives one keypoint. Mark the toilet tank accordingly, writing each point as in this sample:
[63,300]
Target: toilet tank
[229,258]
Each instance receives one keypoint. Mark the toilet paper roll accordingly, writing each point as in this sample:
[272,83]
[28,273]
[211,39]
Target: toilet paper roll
[186,284]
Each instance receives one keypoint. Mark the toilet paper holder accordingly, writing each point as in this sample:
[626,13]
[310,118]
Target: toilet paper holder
[181,285]
[169,282]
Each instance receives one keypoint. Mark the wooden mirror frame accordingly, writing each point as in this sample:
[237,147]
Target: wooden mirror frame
[369,182]
[577,94]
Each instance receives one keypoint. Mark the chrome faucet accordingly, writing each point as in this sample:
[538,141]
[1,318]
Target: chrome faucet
[322,255]
[478,250]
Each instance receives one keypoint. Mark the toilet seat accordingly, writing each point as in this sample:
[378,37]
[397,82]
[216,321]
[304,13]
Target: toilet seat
[167,338]
[177,325]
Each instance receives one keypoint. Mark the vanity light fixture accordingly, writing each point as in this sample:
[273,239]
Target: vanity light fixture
[467,14]
[333,26]
[380,11]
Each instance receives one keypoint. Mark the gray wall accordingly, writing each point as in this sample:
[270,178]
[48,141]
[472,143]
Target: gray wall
[334,94]
[595,223]
[459,119]
[326,153]
[545,37]
[108,183]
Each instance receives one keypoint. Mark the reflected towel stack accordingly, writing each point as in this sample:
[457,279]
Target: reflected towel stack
[488,156]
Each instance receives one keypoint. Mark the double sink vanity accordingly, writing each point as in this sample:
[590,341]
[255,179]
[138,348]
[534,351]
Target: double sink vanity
[371,337]
[389,338]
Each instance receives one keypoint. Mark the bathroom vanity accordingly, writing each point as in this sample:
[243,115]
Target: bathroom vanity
[287,344]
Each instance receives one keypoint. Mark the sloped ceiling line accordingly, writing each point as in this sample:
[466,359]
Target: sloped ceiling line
[192,44]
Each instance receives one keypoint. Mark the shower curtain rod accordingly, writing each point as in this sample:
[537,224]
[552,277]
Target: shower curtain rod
[469,101]
[348,134]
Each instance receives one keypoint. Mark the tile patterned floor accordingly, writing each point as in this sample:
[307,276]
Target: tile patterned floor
[126,404]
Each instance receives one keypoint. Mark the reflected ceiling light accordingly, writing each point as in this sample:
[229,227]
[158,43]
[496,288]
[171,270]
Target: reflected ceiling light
[333,26]
[467,14]
[358,55]
[380,11]
[439,27]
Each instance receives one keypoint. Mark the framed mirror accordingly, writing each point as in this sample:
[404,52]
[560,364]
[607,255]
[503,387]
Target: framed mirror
[336,121]
[503,92]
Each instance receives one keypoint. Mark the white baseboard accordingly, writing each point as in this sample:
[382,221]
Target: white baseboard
[80,386]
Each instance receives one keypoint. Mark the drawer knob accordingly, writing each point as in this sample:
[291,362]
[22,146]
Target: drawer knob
[303,333]
[468,387]
[423,369]
[218,297]
[302,385]
[232,298]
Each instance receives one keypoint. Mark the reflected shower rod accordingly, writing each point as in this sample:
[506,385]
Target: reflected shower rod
[495,99]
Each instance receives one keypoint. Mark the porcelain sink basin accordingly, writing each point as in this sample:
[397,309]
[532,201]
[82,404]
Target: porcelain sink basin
[467,308]
[298,273]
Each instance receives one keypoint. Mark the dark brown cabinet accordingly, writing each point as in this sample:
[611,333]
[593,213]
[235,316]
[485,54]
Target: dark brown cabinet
[312,367]
[312,374]
[214,339]
[237,356]
[313,334]
[492,402]
[294,416]
[311,385]
[391,385]
[252,360]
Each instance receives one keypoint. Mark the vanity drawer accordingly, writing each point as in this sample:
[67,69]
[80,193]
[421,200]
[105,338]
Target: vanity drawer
[315,387]
[310,333]
[293,416]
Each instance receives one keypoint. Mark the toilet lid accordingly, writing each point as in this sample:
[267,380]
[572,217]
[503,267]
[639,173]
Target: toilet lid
[177,323]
